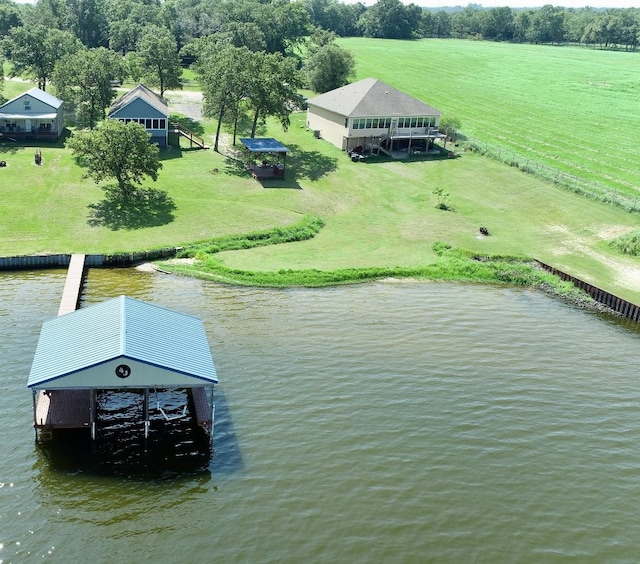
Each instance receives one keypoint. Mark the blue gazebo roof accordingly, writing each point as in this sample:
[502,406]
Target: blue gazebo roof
[263,145]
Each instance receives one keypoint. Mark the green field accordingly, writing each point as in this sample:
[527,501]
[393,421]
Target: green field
[571,108]
[379,213]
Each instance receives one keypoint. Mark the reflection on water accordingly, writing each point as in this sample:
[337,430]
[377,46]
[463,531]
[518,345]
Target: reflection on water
[382,422]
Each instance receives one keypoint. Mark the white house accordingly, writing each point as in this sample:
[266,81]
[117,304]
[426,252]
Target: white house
[146,108]
[372,114]
[34,114]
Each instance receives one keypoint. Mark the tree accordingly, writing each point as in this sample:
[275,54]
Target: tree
[127,20]
[547,25]
[449,125]
[329,67]
[391,19]
[1,80]
[284,24]
[84,80]
[9,17]
[273,82]
[117,150]
[35,50]
[159,58]
[224,77]
[88,21]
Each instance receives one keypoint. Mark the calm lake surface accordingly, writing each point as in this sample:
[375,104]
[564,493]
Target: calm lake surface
[386,422]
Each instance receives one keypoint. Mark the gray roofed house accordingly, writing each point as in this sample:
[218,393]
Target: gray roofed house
[144,106]
[372,112]
[34,114]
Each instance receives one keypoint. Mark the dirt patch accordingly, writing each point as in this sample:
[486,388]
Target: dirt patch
[185,102]
[627,271]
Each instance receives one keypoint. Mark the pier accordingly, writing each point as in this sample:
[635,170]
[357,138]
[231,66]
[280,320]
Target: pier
[73,285]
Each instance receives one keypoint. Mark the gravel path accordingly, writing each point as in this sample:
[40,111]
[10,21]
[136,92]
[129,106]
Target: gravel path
[185,102]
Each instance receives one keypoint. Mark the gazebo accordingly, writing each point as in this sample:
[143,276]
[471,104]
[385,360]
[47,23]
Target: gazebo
[121,344]
[268,157]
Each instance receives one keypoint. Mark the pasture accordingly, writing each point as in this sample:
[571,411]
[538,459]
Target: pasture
[571,108]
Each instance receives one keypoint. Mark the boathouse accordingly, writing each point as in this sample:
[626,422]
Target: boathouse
[119,344]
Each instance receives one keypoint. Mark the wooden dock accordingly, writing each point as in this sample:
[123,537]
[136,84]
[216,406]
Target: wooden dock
[72,285]
[64,409]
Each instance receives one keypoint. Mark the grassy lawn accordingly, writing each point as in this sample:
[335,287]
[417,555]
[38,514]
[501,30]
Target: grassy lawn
[378,213]
[570,108]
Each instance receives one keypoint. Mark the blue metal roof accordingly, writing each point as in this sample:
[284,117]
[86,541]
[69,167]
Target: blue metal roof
[170,348]
[263,145]
[38,94]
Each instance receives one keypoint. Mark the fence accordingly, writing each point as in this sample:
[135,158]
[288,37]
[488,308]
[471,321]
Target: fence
[591,189]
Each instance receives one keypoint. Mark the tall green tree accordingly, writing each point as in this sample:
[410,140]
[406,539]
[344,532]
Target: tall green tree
[272,90]
[53,14]
[127,20]
[391,19]
[84,80]
[329,67]
[119,151]
[224,75]
[9,17]
[159,58]
[34,51]
[88,21]
[2,99]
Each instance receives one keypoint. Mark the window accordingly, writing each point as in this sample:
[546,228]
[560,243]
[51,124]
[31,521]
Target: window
[154,124]
[148,123]
[27,105]
[163,123]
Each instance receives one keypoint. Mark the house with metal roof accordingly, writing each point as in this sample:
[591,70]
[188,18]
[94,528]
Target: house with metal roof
[370,114]
[119,344]
[34,114]
[147,108]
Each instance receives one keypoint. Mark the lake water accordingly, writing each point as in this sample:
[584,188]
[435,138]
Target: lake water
[386,422]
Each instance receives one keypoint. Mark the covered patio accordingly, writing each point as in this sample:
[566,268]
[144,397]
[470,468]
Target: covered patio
[268,157]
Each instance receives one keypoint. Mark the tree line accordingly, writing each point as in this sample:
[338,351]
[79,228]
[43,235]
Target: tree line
[390,19]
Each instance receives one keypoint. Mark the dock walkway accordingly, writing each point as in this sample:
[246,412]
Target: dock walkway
[73,285]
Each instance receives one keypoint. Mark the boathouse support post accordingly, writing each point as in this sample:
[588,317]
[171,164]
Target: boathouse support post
[213,413]
[35,419]
[146,415]
[92,413]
